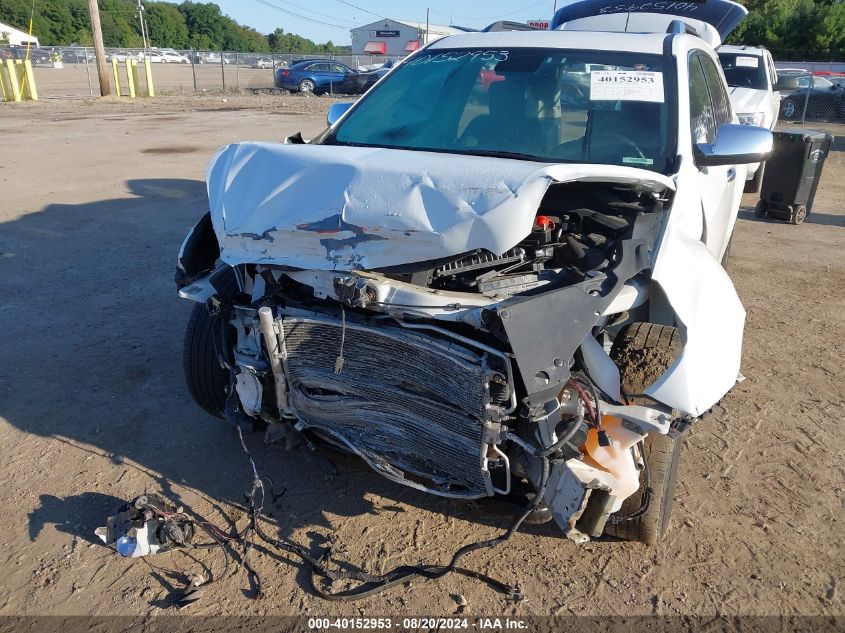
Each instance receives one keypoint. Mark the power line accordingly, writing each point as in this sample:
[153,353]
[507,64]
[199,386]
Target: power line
[271,5]
[296,6]
[355,6]
[492,17]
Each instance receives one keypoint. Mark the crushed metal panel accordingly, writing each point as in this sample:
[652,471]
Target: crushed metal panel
[711,319]
[542,352]
[345,208]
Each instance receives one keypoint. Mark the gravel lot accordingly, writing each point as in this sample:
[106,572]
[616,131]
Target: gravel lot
[96,199]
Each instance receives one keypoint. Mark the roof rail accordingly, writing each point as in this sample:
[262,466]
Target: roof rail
[505,25]
[679,26]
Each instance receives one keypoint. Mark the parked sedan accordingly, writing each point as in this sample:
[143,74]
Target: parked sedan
[167,57]
[263,62]
[313,76]
[811,98]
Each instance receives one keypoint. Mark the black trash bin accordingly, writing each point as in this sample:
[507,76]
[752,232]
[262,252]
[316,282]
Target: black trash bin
[792,174]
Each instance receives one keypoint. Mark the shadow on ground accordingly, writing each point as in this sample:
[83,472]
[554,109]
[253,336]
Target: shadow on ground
[827,219]
[94,331]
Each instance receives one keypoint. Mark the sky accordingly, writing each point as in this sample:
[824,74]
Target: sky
[323,20]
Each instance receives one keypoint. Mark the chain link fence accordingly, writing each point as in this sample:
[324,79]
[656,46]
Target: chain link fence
[815,92]
[62,72]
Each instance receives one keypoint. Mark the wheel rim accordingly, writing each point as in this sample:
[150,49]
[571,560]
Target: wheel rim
[306,86]
[800,214]
[788,108]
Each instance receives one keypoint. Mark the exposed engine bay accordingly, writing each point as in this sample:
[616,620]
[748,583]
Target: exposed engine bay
[461,376]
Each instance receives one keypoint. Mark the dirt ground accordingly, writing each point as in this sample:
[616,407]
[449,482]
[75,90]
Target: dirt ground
[95,199]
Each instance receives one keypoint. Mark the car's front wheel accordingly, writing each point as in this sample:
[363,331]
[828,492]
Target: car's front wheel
[643,351]
[788,109]
[206,378]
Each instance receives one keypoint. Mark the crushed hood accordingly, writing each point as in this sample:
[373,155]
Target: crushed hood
[328,207]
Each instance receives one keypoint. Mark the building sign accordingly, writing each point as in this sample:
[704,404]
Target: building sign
[384,33]
[539,24]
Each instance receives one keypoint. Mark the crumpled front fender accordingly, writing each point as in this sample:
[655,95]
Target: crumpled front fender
[711,319]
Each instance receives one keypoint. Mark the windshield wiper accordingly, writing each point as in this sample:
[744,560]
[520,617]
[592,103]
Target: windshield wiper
[501,154]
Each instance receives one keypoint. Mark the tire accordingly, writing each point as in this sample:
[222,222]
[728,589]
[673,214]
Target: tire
[755,184]
[762,209]
[799,214]
[206,379]
[306,86]
[655,347]
[788,109]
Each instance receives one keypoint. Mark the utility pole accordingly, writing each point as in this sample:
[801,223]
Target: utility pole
[427,15]
[143,25]
[99,51]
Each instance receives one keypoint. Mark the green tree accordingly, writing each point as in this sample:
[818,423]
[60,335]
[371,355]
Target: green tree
[167,27]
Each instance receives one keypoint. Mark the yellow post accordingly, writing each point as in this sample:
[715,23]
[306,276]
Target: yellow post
[5,89]
[116,76]
[129,78]
[148,69]
[30,80]
[136,78]
[13,79]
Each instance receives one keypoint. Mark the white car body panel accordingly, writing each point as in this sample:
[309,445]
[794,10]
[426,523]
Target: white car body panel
[711,319]
[641,23]
[350,208]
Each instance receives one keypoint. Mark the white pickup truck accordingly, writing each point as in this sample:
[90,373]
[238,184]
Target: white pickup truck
[752,78]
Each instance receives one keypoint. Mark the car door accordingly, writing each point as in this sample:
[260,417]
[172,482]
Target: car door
[720,186]
[321,73]
[337,75]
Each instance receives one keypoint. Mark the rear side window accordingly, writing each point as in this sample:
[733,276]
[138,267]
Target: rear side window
[702,117]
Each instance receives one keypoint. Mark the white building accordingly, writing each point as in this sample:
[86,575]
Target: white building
[15,36]
[396,37]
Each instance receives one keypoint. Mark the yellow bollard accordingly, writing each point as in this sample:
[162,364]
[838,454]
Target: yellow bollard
[32,91]
[116,77]
[136,78]
[148,69]
[13,80]
[5,88]
[129,78]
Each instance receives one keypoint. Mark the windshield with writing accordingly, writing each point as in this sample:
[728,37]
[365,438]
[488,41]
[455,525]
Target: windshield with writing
[549,105]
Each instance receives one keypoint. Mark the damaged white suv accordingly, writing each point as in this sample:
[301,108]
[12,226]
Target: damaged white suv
[481,285]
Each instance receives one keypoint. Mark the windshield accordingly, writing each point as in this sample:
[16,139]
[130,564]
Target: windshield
[549,105]
[744,71]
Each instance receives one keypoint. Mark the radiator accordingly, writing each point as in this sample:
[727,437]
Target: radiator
[412,405]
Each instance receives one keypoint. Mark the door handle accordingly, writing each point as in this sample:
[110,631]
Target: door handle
[731,174]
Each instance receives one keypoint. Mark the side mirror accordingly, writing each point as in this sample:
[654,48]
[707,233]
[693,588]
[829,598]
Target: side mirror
[337,110]
[735,145]
[786,83]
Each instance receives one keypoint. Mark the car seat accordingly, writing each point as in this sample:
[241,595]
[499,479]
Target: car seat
[506,127]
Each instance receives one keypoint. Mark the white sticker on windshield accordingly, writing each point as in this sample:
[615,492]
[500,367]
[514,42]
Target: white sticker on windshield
[626,85]
[748,62]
